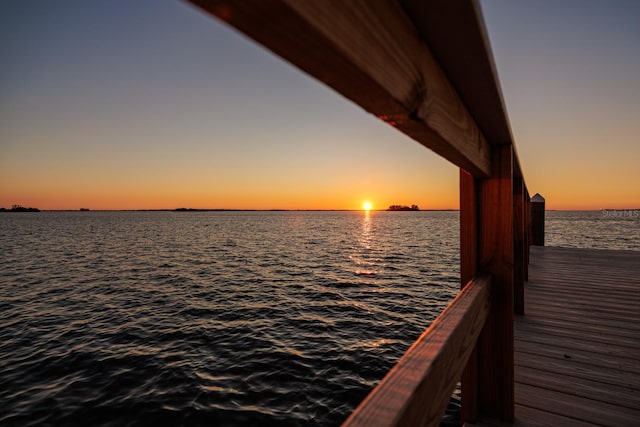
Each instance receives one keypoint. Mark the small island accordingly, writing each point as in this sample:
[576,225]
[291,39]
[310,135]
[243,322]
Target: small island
[18,208]
[403,208]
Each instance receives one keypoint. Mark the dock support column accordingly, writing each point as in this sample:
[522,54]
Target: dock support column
[537,220]
[468,269]
[527,232]
[519,256]
[487,245]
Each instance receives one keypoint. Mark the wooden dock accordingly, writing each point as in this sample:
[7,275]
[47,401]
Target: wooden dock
[572,358]
[577,348]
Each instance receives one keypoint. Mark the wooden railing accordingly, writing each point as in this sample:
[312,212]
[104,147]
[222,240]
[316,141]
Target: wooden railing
[430,369]
[425,68]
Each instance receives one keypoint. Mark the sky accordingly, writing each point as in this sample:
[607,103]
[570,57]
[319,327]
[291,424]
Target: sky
[151,104]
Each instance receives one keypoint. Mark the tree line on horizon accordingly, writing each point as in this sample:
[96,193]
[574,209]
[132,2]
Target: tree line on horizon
[18,208]
[403,208]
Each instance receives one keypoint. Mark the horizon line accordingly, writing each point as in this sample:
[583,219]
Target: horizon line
[293,210]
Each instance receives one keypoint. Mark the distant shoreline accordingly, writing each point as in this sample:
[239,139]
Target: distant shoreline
[17,208]
[237,210]
[4,210]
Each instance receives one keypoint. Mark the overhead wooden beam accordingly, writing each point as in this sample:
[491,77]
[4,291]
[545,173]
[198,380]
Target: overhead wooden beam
[455,32]
[371,53]
[457,37]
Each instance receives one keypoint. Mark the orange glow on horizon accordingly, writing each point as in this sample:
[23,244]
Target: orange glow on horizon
[44,195]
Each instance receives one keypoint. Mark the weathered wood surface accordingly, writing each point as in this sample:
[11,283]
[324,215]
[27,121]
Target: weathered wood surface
[371,53]
[416,391]
[487,245]
[577,349]
[468,269]
[456,35]
[519,231]
[495,256]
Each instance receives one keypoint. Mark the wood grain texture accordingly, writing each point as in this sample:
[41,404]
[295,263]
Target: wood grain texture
[577,349]
[527,232]
[531,417]
[416,391]
[577,407]
[468,227]
[371,53]
[454,30]
[518,246]
[468,269]
[495,344]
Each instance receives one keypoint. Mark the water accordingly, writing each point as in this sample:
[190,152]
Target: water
[604,229]
[212,318]
[225,318]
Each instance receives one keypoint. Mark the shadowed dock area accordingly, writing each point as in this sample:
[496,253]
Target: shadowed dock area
[577,348]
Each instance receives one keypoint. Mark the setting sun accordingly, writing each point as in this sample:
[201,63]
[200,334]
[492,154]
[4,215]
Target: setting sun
[366,206]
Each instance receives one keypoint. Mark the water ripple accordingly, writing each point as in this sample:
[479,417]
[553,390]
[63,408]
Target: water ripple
[281,318]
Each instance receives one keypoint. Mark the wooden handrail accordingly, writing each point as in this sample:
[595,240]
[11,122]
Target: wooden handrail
[369,52]
[416,391]
[407,62]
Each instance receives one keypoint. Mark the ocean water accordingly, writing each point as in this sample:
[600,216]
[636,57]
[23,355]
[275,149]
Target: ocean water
[225,318]
[212,318]
[604,229]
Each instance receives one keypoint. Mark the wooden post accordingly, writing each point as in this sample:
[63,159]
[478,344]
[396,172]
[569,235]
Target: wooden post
[537,220]
[468,269]
[495,256]
[527,232]
[518,245]
[487,242]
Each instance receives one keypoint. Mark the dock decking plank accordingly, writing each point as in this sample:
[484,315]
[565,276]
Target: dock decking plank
[576,407]
[597,337]
[582,370]
[604,326]
[579,370]
[568,311]
[579,355]
[571,315]
[594,390]
[577,347]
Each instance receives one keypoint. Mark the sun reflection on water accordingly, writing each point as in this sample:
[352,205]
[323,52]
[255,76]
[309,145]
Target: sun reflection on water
[366,246]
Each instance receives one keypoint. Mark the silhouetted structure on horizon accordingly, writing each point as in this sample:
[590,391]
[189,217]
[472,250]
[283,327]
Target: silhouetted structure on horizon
[403,208]
[18,208]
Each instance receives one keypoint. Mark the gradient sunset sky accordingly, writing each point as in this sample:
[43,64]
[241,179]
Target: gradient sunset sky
[152,104]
